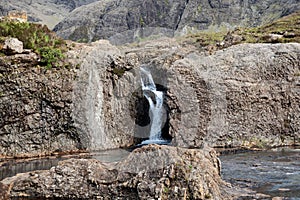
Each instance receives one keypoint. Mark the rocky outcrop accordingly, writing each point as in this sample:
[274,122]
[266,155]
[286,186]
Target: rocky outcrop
[245,95]
[35,107]
[150,172]
[127,21]
[254,93]
[230,98]
[105,19]
[214,14]
[101,99]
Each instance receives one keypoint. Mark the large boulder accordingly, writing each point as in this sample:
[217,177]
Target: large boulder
[150,172]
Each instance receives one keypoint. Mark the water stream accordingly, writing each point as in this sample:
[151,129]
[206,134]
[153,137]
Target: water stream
[275,172]
[156,109]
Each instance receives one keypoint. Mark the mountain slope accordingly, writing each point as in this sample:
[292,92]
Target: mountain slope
[48,12]
[107,18]
[124,21]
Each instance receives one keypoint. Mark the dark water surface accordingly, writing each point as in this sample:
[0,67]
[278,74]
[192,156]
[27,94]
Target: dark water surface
[14,166]
[274,172]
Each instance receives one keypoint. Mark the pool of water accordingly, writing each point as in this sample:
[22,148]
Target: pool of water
[12,167]
[274,172]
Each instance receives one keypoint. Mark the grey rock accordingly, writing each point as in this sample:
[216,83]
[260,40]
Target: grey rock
[36,104]
[12,46]
[230,98]
[108,18]
[253,95]
[214,14]
[99,100]
[151,172]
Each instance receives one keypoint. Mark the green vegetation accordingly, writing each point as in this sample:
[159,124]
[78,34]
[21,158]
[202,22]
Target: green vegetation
[142,22]
[118,72]
[209,38]
[49,56]
[166,189]
[199,9]
[36,37]
[286,29]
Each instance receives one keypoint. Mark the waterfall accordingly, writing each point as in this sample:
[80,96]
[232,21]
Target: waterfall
[156,109]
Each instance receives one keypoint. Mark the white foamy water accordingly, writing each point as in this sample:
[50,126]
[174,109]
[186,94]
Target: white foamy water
[156,110]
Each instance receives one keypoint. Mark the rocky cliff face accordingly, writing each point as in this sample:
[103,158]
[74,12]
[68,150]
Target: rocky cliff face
[35,108]
[254,93]
[127,21]
[246,95]
[231,13]
[230,98]
[104,19]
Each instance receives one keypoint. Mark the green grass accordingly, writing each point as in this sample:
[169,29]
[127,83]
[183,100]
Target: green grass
[203,38]
[287,27]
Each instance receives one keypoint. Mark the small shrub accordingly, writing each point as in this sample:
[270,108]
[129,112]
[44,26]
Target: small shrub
[118,72]
[50,56]
[36,37]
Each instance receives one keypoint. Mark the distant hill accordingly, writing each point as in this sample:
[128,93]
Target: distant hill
[49,12]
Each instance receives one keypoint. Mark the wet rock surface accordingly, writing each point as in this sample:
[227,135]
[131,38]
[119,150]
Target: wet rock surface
[149,172]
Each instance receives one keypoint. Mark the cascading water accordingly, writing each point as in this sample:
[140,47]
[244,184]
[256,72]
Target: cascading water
[156,110]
